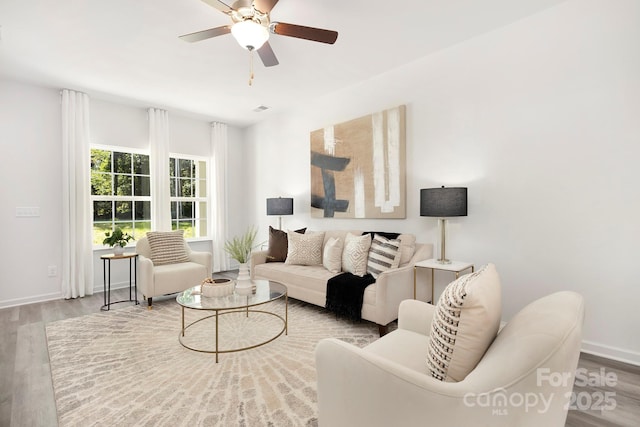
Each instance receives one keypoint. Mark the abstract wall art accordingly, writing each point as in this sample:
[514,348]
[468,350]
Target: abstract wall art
[358,167]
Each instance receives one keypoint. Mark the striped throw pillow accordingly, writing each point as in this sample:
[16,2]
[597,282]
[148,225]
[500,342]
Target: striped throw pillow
[384,254]
[167,247]
[465,323]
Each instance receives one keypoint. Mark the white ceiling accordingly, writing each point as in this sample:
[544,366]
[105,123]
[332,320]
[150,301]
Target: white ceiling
[129,49]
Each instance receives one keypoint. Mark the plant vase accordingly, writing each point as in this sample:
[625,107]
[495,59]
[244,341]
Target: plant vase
[243,272]
[243,282]
[118,250]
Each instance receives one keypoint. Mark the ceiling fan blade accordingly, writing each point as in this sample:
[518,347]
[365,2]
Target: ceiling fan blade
[206,34]
[219,5]
[267,56]
[302,32]
[264,6]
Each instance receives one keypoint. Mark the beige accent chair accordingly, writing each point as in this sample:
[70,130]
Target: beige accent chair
[524,379]
[158,280]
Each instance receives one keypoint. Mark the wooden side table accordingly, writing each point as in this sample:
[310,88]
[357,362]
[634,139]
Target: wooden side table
[106,271]
[455,266]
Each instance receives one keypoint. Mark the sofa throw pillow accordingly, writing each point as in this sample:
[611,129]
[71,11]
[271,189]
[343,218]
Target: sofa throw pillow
[332,255]
[278,244]
[407,248]
[354,254]
[464,325]
[167,247]
[386,234]
[384,254]
[304,249]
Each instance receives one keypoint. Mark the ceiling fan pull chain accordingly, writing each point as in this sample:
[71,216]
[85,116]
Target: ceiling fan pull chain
[250,67]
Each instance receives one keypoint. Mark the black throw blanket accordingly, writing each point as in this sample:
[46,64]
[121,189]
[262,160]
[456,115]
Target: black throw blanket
[345,293]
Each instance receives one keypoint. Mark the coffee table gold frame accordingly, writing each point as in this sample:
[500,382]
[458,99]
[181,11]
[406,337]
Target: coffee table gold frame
[240,307]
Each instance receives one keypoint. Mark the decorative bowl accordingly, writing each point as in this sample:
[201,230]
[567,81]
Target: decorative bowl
[213,288]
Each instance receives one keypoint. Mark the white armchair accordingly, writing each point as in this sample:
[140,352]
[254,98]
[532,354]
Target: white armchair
[524,379]
[157,280]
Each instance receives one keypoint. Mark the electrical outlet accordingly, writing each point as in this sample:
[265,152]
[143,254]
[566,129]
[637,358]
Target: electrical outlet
[52,271]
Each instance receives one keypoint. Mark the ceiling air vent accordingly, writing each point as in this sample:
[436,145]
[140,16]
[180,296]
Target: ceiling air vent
[260,108]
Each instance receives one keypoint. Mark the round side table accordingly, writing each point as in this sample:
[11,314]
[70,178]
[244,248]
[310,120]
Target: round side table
[133,272]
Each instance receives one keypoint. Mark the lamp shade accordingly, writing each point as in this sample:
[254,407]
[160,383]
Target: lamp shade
[250,34]
[280,206]
[443,202]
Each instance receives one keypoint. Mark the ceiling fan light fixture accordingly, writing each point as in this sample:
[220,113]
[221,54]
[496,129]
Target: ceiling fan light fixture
[250,34]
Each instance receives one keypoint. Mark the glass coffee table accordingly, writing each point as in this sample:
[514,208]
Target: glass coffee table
[266,291]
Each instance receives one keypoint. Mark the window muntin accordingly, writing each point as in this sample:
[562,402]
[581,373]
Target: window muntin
[188,189]
[120,192]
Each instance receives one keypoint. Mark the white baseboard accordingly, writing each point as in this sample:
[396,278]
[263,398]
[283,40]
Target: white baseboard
[30,300]
[53,296]
[100,288]
[609,352]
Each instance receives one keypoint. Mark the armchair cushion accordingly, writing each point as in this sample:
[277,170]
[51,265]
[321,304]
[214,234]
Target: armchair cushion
[403,347]
[464,325]
[167,247]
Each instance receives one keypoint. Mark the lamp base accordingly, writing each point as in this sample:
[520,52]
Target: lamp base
[443,258]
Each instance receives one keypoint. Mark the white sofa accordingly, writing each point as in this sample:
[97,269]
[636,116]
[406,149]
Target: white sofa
[309,282]
[387,383]
[158,280]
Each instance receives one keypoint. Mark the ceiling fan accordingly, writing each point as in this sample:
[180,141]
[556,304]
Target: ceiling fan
[252,25]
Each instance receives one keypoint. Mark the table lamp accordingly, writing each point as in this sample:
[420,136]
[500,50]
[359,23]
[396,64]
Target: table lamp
[442,203]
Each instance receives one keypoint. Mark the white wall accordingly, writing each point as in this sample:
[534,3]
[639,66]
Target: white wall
[540,121]
[31,176]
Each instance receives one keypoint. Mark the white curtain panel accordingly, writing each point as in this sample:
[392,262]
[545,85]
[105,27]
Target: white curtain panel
[218,186]
[77,250]
[159,168]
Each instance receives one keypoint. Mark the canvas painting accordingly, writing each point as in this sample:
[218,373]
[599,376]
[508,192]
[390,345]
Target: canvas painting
[358,167]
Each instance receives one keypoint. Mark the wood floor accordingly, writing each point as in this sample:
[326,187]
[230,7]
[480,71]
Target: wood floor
[26,392]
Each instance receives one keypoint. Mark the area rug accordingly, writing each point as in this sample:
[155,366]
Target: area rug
[126,367]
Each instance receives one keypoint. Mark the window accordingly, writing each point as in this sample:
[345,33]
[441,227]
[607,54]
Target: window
[189,201]
[120,192]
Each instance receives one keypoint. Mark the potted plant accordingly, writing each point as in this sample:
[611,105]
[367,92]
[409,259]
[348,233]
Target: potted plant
[117,239]
[239,248]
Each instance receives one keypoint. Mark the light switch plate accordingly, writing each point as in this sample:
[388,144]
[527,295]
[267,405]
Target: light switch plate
[27,212]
